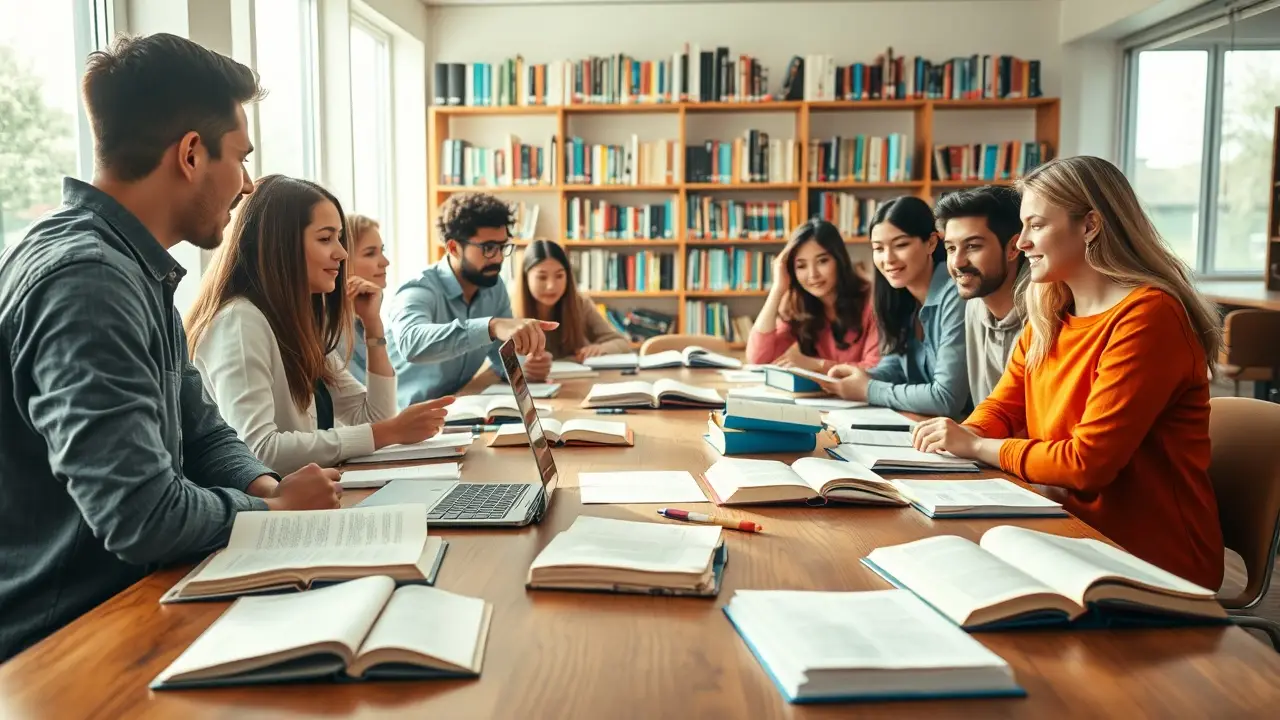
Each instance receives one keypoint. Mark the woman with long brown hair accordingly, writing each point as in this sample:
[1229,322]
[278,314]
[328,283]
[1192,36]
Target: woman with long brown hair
[1110,379]
[269,333]
[550,293]
[819,312]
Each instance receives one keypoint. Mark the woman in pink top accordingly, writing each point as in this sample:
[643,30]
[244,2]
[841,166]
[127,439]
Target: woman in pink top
[819,311]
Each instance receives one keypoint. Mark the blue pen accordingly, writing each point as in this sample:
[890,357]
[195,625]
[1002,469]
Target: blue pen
[611,411]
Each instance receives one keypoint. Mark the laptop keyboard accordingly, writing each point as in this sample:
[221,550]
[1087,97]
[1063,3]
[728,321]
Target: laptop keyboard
[478,501]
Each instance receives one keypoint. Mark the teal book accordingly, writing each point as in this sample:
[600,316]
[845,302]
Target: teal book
[757,442]
[794,380]
[770,417]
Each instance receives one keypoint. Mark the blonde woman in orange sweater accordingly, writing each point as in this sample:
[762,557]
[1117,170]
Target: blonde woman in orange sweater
[1110,379]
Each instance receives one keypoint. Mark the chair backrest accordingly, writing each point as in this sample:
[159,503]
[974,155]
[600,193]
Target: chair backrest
[1251,338]
[1245,472]
[680,342]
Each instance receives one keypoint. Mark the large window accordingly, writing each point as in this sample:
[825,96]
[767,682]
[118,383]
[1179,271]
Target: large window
[285,57]
[1198,148]
[43,134]
[371,123]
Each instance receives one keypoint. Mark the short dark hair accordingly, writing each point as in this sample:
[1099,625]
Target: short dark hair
[144,93]
[999,205]
[462,215]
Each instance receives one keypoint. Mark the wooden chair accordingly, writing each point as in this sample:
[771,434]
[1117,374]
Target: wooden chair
[1250,347]
[1245,472]
[680,342]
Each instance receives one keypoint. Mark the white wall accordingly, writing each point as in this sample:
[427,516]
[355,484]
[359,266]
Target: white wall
[1097,19]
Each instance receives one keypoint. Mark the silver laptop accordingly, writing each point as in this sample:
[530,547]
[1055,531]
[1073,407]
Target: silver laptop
[486,504]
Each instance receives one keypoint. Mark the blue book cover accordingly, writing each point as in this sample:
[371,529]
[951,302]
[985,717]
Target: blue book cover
[756,442]
[782,380]
[739,422]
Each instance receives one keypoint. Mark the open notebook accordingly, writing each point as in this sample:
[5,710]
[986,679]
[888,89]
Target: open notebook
[536,390]
[579,431]
[661,393]
[1015,577]
[741,481]
[691,357]
[447,445]
[363,629]
[868,417]
[887,459]
[622,556]
[473,409]
[988,497]
[283,551]
[878,645]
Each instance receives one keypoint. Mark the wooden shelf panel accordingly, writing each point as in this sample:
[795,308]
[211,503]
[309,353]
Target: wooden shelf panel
[497,189]
[742,186]
[713,242]
[724,293]
[992,104]
[618,294]
[620,188]
[495,109]
[620,243]
[854,185]
[848,105]
[768,106]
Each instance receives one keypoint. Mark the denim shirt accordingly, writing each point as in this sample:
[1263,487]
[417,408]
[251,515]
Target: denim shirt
[113,460]
[359,365]
[931,377]
[436,339]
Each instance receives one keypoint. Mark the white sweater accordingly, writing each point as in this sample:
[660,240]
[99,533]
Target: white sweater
[240,362]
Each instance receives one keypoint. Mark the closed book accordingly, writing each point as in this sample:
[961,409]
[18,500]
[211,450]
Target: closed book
[794,380]
[440,84]
[740,414]
[1015,577]
[755,442]
[457,86]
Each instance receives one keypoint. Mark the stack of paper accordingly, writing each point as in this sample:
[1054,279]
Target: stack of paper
[536,390]
[868,418]
[749,426]
[566,370]
[440,446]
[901,459]
[355,479]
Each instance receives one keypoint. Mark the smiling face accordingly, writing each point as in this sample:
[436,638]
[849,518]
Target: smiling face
[815,270]
[322,243]
[370,260]
[1053,241]
[975,257]
[546,282]
[902,259]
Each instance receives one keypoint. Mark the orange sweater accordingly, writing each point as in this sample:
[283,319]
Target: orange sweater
[1118,416]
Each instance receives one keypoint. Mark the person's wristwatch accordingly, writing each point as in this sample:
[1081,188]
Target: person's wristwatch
[375,341]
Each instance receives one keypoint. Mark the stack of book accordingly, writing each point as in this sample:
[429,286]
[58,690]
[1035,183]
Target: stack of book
[751,427]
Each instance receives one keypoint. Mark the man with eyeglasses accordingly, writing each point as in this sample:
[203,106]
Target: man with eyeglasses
[444,323]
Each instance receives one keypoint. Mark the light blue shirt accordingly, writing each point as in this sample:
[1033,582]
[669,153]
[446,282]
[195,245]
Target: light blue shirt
[359,366]
[436,340]
[931,377]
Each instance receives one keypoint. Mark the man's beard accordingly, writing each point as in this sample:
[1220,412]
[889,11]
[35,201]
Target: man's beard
[478,277]
[204,225]
[987,283]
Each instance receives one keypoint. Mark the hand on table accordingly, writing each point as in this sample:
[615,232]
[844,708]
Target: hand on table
[311,488]
[938,434]
[414,424]
[537,367]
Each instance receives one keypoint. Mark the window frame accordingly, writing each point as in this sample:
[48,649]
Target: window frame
[310,109]
[386,215]
[1215,82]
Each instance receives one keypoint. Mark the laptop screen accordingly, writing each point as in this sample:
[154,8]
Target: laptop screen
[529,416]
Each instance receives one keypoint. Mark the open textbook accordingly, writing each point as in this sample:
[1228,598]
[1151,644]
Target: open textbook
[877,645]
[281,551]
[480,409]
[889,459]
[691,357]
[536,390]
[1017,577]
[660,393]
[579,431]
[447,445]
[989,497]
[741,481]
[363,629]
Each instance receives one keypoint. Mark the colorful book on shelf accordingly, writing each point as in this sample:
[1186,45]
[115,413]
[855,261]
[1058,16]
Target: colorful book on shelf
[874,645]
[730,441]
[814,481]
[579,431]
[1015,578]
[661,393]
[290,551]
[621,556]
[365,629]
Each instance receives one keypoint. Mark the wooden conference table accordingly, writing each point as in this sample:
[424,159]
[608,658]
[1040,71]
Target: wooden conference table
[560,654]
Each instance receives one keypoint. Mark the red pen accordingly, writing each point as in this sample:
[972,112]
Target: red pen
[697,517]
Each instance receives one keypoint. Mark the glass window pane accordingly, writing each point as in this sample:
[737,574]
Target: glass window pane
[39,100]
[1250,94]
[285,62]
[371,124]
[1169,143]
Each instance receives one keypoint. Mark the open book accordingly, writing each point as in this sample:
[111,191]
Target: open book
[868,418]
[536,390]
[616,361]
[879,438]
[878,645]
[901,459]
[764,393]
[740,481]
[570,432]
[568,370]
[282,551]
[448,445]
[661,393]
[993,497]
[376,478]
[473,409]
[623,556]
[1017,577]
[363,629]
[691,357]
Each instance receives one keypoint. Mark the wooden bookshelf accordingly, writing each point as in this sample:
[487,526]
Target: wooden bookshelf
[924,116]
[1273,212]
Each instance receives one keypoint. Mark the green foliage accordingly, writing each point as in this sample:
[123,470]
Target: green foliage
[37,142]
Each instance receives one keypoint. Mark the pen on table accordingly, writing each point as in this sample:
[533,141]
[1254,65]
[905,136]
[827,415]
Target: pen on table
[697,517]
[611,411]
[473,429]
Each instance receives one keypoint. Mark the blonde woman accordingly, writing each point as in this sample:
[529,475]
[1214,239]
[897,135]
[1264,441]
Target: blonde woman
[367,278]
[1110,378]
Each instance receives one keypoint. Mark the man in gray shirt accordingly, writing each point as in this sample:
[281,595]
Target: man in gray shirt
[113,460]
[980,229]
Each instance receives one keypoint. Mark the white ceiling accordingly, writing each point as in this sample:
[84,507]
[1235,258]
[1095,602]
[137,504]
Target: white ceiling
[439,3]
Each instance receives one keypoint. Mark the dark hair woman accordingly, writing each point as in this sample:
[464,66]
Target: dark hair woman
[550,293]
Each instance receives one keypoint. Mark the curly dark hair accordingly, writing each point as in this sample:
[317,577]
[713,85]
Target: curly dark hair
[462,215]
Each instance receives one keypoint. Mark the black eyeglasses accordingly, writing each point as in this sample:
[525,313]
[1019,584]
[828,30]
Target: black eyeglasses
[492,249]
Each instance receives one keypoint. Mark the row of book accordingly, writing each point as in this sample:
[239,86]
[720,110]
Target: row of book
[753,158]
[717,269]
[988,161]
[635,163]
[639,324]
[889,77]
[861,159]
[848,212]
[602,220]
[516,163]
[715,319]
[645,271]
[710,219]
[716,75]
